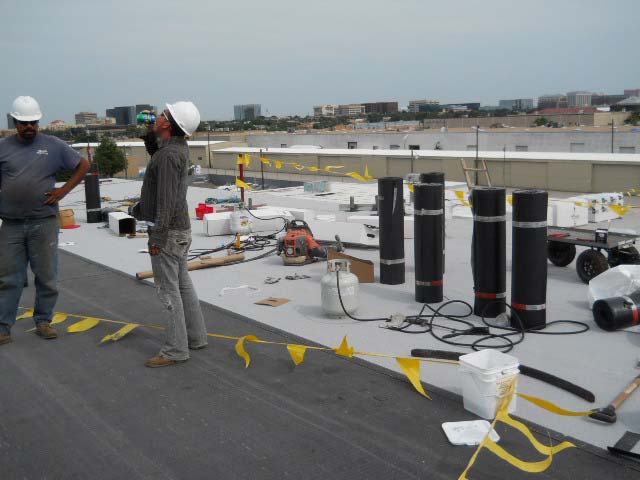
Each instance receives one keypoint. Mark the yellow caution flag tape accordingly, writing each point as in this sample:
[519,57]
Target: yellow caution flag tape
[412,187]
[83,325]
[114,337]
[620,210]
[278,164]
[460,195]
[297,353]
[59,318]
[503,416]
[330,168]
[265,161]
[26,314]
[366,173]
[510,199]
[241,351]
[241,184]
[345,350]
[356,176]
[411,368]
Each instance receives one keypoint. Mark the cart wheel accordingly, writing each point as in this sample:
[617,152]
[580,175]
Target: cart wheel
[561,254]
[624,256]
[590,264]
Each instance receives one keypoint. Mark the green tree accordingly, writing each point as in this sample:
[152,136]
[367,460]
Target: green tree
[109,158]
[540,122]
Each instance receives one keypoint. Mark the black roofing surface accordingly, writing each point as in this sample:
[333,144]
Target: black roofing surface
[73,409]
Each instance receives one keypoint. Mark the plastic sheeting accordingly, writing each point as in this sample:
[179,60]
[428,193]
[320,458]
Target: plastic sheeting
[615,282]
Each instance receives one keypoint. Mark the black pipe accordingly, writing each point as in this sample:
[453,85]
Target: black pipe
[488,250]
[92,194]
[391,216]
[529,258]
[428,248]
[616,313]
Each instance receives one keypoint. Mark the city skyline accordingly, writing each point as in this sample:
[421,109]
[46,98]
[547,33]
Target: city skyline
[289,58]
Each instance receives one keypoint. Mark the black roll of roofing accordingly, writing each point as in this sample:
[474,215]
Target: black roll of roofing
[529,258]
[92,194]
[488,251]
[428,248]
[618,312]
[391,223]
[437,177]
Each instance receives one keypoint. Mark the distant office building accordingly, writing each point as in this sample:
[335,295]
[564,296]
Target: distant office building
[350,110]
[604,100]
[145,106]
[461,107]
[247,112]
[381,107]
[86,118]
[10,123]
[633,92]
[123,115]
[519,104]
[324,110]
[579,99]
[552,101]
[416,106]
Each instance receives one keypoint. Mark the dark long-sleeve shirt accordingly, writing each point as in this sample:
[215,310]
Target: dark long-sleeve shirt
[163,199]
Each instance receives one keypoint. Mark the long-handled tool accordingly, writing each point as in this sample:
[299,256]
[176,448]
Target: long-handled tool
[608,413]
[524,370]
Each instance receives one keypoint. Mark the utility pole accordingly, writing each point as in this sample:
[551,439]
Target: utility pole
[412,161]
[477,147]
[261,169]
[612,133]
[209,144]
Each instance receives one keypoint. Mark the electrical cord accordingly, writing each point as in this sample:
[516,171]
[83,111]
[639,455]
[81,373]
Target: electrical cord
[487,340]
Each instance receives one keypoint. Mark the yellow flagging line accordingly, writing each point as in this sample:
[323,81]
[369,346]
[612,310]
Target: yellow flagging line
[409,365]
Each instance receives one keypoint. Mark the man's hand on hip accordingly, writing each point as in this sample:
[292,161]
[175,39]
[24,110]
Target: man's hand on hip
[55,196]
[154,250]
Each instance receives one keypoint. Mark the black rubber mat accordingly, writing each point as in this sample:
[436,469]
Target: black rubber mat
[74,409]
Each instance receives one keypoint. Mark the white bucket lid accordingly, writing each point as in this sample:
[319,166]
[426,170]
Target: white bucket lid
[489,361]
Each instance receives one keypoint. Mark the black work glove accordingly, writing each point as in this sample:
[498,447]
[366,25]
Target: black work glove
[150,142]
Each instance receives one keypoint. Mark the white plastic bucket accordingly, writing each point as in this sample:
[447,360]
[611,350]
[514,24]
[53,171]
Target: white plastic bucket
[486,376]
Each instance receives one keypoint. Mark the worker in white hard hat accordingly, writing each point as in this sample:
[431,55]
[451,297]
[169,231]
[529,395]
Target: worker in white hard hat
[29,161]
[163,203]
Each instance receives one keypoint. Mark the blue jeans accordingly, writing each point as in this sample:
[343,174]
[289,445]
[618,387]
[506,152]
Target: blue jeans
[22,242]
[171,277]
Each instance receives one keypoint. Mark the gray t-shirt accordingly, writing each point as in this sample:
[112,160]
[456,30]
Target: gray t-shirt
[27,172]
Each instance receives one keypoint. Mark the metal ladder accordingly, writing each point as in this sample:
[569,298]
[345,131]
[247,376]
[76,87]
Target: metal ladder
[466,169]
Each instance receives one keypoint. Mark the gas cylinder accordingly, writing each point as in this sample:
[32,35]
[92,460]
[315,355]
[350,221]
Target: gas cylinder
[348,289]
[240,221]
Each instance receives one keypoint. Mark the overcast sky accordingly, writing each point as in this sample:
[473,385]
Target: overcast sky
[76,55]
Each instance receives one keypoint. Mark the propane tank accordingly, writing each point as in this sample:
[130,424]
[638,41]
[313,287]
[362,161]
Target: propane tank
[240,220]
[348,289]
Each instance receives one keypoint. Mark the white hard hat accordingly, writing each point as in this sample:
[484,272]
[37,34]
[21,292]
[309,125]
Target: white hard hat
[186,115]
[26,109]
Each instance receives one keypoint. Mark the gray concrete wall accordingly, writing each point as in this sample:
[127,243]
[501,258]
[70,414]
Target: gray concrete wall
[534,141]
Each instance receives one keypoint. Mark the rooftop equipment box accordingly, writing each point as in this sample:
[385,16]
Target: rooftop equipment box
[122,224]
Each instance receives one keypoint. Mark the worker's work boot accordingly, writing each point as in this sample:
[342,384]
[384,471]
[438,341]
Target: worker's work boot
[5,339]
[161,361]
[45,331]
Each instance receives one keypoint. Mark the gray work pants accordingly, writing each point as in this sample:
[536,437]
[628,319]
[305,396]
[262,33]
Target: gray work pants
[186,325]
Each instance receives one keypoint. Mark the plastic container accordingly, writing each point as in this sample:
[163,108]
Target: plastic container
[349,286]
[202,209]
[240,221]
[486,376]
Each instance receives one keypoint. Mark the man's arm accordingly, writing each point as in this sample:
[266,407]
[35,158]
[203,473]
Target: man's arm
[58,194]
[166,196]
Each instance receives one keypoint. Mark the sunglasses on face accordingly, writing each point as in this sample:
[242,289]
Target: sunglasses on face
[27,122]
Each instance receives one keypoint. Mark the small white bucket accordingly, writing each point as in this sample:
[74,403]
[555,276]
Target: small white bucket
[486,376]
